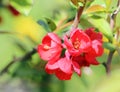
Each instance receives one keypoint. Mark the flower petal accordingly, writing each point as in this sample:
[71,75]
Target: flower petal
[54,37]
[63,76]
[93,35]
[76,67]
[51,67]
[97,47]
[91,59]
[49,54]
[65,65]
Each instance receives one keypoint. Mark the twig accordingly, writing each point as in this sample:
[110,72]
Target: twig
[108,63]
[77,17]
[64,26]
[7,32]
[114,14]
[76,20]
[110,55]
[24,58]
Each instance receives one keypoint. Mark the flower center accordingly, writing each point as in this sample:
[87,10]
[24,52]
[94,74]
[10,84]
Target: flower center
[76,44]
[46,47]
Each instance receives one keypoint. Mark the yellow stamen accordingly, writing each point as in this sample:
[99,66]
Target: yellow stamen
[76,44]
[46,47]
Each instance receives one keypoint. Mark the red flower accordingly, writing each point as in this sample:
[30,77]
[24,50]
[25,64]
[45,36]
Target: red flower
[97,49]
[62,68]
[78,42]
[81,49]
[51,47]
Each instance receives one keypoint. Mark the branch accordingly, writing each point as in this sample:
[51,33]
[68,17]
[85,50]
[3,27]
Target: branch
[6,32]
[114,15]
[24,58]
[77,17]
[108,63]
[112,22]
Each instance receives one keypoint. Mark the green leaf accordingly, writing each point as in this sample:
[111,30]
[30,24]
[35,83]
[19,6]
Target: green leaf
[23,6]
[109,46]
[108,2]
[44,25]
[111,5]
[51,24]
[103,27]
[94,8]
[76,2]
[98,2]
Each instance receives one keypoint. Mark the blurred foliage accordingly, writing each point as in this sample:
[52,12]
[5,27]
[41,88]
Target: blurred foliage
[19,34]
[23,6]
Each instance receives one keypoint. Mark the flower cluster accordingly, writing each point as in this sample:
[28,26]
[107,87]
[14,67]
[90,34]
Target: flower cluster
[64,56]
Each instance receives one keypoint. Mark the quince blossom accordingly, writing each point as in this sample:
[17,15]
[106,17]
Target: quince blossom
[81,49]
[51,47]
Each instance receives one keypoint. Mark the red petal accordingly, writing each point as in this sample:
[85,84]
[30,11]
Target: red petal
[55,38]
[63,76]
[51,67]
[46,40]
[93,35]
[82,38]
[91,59]
[68,43]
[65,65]
[48,54]
[97,47]
[76,67]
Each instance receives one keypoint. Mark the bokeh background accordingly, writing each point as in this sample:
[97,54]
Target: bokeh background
[20,33]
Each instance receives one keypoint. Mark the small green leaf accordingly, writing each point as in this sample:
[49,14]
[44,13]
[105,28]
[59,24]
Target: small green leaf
[109,46]
[103,27]
[23,6]
[44,25]
[98,2]
[111,5]
[108,3]
[51,24]
[77,2]
[94,8]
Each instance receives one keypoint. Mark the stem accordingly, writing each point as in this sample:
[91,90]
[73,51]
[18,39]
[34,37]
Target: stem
[76,20]
[64,26]
[114,15]
[25,57]
[77,17]
[108,63]
[112,22]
